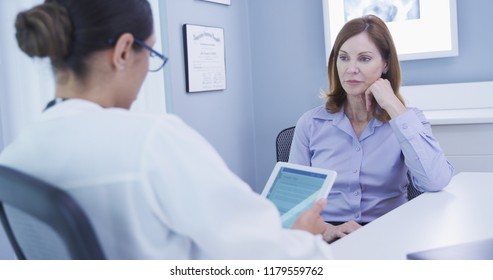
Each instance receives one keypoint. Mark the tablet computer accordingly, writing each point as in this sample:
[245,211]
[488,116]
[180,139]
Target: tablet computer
[294,188]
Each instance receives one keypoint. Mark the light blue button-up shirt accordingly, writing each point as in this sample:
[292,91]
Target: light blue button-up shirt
[372,169]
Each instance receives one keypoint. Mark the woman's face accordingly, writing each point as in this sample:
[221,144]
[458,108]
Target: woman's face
[359,64]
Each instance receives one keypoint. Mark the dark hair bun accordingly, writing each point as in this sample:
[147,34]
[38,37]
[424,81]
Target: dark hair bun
[44,31]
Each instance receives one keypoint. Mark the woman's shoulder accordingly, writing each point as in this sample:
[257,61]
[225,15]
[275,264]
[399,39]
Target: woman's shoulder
[148,123]
[145,117]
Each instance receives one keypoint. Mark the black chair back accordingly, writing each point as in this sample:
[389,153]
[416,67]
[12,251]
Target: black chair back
[283,143]
[43,221]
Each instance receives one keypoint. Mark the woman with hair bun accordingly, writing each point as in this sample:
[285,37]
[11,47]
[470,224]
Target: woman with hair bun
[151,186]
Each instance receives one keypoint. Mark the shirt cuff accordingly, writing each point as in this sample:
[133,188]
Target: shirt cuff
[407,126]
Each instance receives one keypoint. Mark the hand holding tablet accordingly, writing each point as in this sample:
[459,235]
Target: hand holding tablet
[294,188]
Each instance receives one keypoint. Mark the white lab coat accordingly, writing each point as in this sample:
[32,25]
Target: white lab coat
[153,188]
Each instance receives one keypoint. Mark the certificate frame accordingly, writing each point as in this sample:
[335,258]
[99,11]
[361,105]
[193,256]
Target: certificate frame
[432,35]
[205,58]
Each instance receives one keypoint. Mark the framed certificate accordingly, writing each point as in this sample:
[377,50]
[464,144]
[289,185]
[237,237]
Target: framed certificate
[205,63]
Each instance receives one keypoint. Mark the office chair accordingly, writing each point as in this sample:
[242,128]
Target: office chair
[42,221]
[412,192]
[283,146]
[283,143]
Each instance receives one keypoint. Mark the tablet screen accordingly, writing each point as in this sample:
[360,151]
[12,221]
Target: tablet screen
[293,191]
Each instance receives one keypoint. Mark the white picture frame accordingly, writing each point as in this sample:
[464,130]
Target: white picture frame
[224,2]
[432,35]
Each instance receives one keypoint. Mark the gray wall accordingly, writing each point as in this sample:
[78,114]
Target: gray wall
[275,63]
[224,118]
[288,69]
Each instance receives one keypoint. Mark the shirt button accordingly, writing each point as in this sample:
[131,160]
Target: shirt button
[358,149]
[356,193]
[355,171]
[404,126]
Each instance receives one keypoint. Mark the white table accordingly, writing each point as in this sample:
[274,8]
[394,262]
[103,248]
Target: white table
[462,212]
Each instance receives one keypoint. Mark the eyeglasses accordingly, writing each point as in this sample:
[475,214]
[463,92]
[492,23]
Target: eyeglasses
[157,60]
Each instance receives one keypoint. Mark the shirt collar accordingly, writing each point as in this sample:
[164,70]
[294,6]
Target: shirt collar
[337,117]
[323,114]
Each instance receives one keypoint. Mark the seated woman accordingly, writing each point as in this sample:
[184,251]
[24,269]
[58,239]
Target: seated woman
[365,132]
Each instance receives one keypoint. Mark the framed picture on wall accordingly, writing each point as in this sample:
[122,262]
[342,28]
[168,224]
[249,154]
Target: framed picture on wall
[224,2]
[205,63]
[421,29]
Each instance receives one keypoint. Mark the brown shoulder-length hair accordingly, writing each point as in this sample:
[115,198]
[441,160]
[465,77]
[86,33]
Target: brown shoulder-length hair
[380,35]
